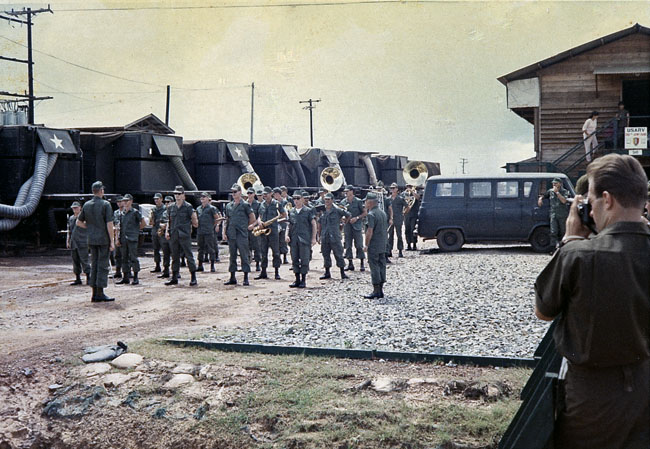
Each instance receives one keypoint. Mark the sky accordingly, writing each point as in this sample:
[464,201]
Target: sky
[412,78]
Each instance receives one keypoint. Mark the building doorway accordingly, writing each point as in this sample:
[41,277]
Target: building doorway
[636,96]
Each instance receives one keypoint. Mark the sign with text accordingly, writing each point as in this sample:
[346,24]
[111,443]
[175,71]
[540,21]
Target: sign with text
[636,138]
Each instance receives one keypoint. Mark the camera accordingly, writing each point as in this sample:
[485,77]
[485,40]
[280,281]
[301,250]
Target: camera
[584,211]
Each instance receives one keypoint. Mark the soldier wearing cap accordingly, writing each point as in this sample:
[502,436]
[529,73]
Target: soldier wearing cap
[397,205]
[131,222]
[253,241]
[97,217]
[329,230]
[557,196]
[208,217]
[301,234]
[77,243]
[155,219]
[164,243]
[182,218]
[269,209]
[411,220]
[117,253]
[375,245]
[287,205]
[239,220]
[353,227]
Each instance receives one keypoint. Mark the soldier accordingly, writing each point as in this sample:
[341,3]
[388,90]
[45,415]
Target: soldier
[116,226]
[154,220]
[239,220]
[253,241]
[77,243]
[397,204]
[182,218]
[217,231]
[284,249]
[269,209]
[557,197]
[301,233]
[353,227]
[375,245]
[208,217]
[411,220]
[329,230]
[131,222]
[97,217]
[164,243]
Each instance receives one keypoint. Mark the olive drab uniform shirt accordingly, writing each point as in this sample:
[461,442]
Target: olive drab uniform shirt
[180,220]
[355,207]
[97,213]
[398,203]
[237,215]
[378,222]
[78,235]
[413,213]
[301,225]
[558,209]
[206,216]
[158,214]
[130,225]
[330,222]
[270,211]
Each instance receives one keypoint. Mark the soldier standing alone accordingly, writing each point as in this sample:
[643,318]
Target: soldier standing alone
[269,209]
[353,227]
[239,220]
[77,242]
[97,217]
[330,236]
[131,222]
[301,234]
[206,232]
[155,219]
[182,218]
[375,245]
[557,197]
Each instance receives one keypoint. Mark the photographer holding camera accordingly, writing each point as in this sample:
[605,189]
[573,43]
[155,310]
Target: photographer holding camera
[599,290]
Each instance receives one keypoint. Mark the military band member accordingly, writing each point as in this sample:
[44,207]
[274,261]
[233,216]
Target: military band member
[239,220]
[182,218]
[253,241]
[411,220]
[301,234]
[269,209]
[397,205]
[117,255]
[375,245]
[284,249]
[97,217]
[208,217]
[329,230]
[154,220]
[131,222]
[77,243]
[164,243]
[353,227]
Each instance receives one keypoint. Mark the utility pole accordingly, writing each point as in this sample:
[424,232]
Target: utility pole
[463,162]
[30,63]
[169,92]
[311,118]
[252,108]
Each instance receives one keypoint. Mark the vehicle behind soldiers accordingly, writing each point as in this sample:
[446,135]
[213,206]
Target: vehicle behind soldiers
[77,243]
[239,220]
[270,209]
[301,234]
[208,217]
[375,245]
[182,218]
[353,229]
[329,232]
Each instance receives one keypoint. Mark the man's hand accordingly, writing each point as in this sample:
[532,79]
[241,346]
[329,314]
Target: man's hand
[353,220]
[117,243]
[287,239]
[574,225]
[111,247]
[365,249]
[167,237]
[313,242]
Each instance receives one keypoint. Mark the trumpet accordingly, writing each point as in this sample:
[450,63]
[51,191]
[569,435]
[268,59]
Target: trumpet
[264,228]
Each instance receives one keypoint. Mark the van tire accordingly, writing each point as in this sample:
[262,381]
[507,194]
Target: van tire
[540,240]
[450,240]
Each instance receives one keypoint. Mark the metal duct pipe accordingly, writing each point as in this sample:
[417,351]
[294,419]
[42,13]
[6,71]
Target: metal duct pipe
[30,192]
[186,179]
[372,176]
[300,175]
[246,167]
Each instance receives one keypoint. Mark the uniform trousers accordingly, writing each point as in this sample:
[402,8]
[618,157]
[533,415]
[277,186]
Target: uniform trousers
[284,248]
[377,264]
[395,229]
[558,228]
[300,255]
[353,236]
[80,260]
[130,255]
[409,225]
[181,245]
[157,246]
[166,250]
[206,243]
[254,246]
[270,241]
[239,244]
[99,266]
[332,245]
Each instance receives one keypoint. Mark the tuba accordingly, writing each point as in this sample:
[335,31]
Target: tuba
[248,180]
[331,178]
[415,173]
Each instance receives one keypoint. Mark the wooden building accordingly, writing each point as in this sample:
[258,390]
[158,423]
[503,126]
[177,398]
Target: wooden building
[557,95]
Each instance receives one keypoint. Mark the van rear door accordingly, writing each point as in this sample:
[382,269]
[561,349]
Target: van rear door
[508,210]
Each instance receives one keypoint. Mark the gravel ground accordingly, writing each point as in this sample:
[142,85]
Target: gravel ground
[476,302]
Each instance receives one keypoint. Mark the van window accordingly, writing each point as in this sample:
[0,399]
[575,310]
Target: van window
[480,189]
[507,189]
[450,189]
[528,186]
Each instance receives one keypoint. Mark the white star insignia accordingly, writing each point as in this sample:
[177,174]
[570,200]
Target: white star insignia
[238,151]
[57,142]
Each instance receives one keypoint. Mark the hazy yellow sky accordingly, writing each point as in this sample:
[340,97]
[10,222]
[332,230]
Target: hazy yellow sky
[417,79]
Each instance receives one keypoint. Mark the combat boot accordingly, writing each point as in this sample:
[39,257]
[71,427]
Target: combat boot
[277,274]
[173,280]
[327,274]
[295,283]
[99,296]
[262,275]
[135,279]
[200,267]
[374,294]
[363,267]
[350,266]
[87,279]
[193,279]
[415,247]
[303,281]
[284,259]
[165,273]
[388,260]
[380,291]
[118,274]
[245,279]
[125,279]
[212,270]
[257,265]
[232,281]
[400,253]
[157,269]
[77,281]
[343,275]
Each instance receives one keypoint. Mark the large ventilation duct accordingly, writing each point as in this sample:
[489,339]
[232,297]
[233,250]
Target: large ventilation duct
[372,176]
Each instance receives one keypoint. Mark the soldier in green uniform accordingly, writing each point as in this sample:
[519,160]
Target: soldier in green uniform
[375,245]
[97,217]
[77,243]
[205,233]
[131,222]
[557,197]
[353,227]
[301,234]
[154,220]
[329,230]
[182,218]
[117,253]
[239,220]
[411,220]
[164,243]
[397,204]
[253,241]
[284,249]
[269,209]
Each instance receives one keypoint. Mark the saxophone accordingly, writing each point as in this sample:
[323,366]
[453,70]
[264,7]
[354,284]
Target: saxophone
[264,228]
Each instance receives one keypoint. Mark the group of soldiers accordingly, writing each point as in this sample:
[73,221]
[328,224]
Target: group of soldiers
[253,222]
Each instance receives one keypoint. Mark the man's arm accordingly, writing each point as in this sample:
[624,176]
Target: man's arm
[314,231]
[195,220]
[109,227]
[251,221]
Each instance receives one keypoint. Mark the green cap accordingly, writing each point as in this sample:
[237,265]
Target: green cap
[97,186]
[558,180]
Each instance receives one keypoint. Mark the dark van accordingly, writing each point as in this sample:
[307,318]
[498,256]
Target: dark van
[470,209]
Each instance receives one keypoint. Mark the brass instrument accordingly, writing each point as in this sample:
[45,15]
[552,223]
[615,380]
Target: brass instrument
[161,229]
[415,173]
[248,180]
[264,228]
[331,178]
[410,200]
